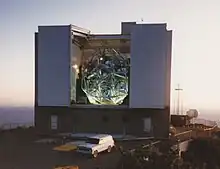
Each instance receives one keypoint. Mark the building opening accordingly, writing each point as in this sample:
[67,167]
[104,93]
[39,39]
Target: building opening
[100,69]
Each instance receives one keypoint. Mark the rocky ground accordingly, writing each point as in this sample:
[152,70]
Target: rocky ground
[18,150]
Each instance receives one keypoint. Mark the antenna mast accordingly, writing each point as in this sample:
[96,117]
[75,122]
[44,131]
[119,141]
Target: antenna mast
[178,89]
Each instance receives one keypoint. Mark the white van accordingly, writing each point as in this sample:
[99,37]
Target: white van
[96,144]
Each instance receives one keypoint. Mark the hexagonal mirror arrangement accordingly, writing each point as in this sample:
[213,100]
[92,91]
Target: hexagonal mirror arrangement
[105,77]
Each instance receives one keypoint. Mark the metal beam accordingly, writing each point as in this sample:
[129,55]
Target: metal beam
[109,37]
[80,30]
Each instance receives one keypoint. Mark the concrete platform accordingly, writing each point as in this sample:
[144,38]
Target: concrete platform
[70,146]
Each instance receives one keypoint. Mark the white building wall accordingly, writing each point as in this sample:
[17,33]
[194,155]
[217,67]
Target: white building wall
[54,53]
[148,83]
[168,68]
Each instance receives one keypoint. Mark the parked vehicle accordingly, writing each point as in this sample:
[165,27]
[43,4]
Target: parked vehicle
[97,144]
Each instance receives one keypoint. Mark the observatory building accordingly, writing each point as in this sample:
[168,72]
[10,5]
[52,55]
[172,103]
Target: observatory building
[103,83]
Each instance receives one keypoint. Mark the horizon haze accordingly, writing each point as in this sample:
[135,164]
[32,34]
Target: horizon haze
[25,115]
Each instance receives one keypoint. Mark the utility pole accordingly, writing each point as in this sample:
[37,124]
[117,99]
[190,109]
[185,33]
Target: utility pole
[174,106]
[178,89]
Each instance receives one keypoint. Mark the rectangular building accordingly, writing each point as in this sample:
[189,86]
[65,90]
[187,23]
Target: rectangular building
[105,83]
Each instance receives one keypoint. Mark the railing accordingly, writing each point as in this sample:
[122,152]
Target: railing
[187,135]
[212,128]
[147,145]
[9,126]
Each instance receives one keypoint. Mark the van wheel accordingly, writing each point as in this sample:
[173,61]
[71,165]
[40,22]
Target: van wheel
[95,154]
[109,149]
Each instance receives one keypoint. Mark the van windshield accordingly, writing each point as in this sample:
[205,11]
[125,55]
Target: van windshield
[92,141]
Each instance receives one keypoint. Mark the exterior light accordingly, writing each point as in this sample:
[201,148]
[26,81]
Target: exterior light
[75,66]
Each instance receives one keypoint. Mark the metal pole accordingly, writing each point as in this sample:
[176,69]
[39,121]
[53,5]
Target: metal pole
[182,112]
[178,89]
[174,106]
[178,101]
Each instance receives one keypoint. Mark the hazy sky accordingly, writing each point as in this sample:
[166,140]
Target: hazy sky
[196,35]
